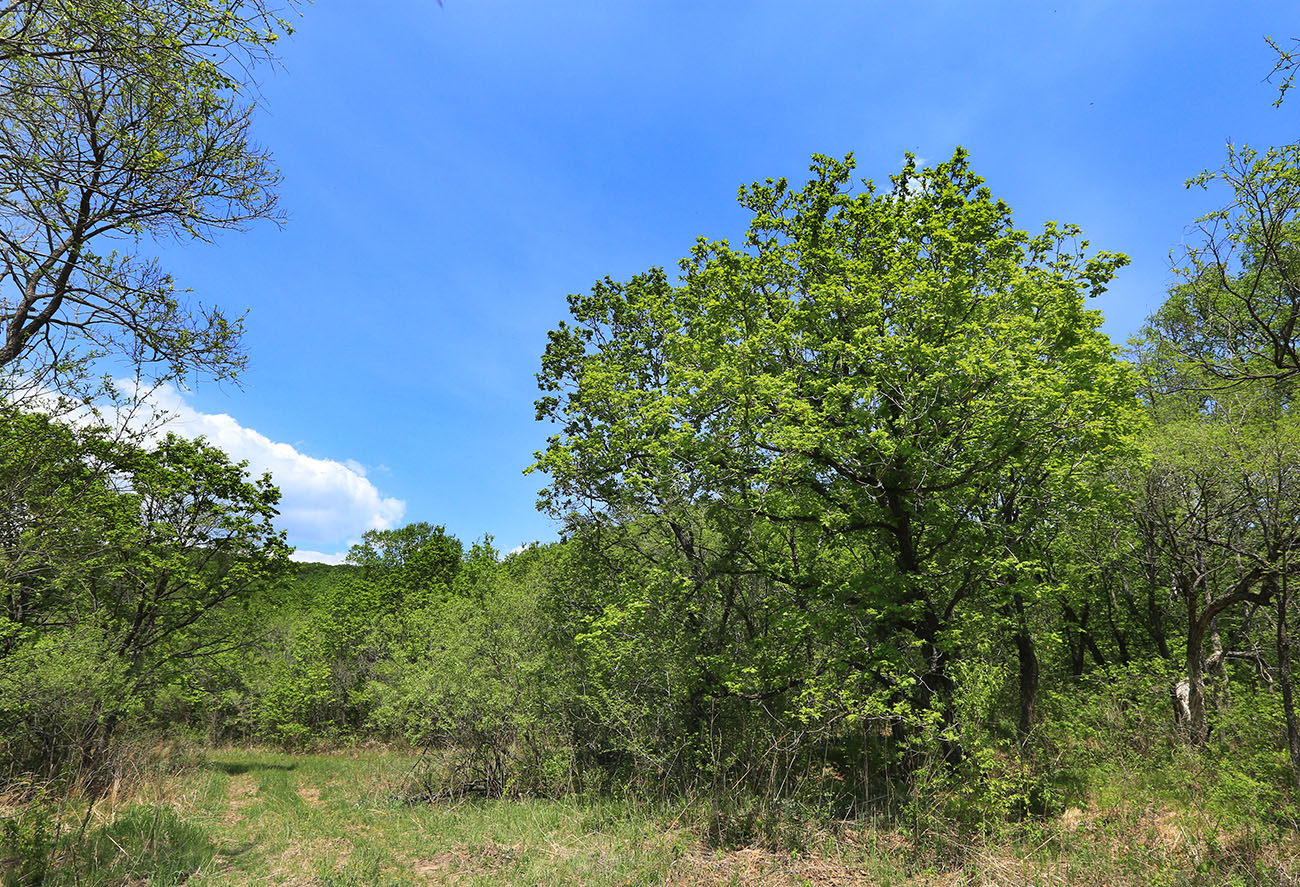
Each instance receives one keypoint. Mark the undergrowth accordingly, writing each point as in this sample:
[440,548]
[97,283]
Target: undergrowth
[1111,796]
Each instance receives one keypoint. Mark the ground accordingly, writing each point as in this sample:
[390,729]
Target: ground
[241,817]
[333,820]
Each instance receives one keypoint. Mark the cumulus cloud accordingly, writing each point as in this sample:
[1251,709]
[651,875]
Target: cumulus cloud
[307,556]
[324,503]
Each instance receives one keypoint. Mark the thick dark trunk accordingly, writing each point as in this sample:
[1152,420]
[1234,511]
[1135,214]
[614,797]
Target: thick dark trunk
[1156,624]
[1028,657]
[94,753]
[1074,642]
[1284,680]
[1197,726]
[1094,650]
[937,688]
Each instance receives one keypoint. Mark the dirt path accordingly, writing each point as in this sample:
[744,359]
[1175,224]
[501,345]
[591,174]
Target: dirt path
[240,792]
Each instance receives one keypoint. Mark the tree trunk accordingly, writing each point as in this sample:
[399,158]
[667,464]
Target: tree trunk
[94,752]
[1197,726]
[1121,641]
[1074,642]
[1077,623]
[1152,619]
[1028,668]
[1284,679]
[937,688]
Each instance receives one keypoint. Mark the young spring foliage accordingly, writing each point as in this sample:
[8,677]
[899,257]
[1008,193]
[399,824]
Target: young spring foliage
[1234,318]
[117,562]
[862,416]
[122,120]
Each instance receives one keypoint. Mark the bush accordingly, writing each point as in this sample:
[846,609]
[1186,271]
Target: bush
[473,677]
[56,698]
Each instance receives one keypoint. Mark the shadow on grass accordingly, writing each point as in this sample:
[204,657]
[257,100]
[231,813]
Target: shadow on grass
[242,855]
[232,769]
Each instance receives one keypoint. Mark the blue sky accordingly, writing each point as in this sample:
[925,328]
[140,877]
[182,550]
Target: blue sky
[451,173]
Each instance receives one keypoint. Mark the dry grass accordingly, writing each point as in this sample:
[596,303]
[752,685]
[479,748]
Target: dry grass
[269,818]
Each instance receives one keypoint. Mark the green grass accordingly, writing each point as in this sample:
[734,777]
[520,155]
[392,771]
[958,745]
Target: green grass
[334,820]
[253,817]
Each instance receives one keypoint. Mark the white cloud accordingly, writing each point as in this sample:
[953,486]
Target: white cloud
[305,556]
[324,502]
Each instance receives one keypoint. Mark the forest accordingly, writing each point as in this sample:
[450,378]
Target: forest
[876,551]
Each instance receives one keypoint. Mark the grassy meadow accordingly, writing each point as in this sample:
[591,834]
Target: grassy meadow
[233,817]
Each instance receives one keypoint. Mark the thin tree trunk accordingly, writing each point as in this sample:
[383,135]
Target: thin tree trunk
[1284,679]
[1074,642]
[1197,726]
[1121,641]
